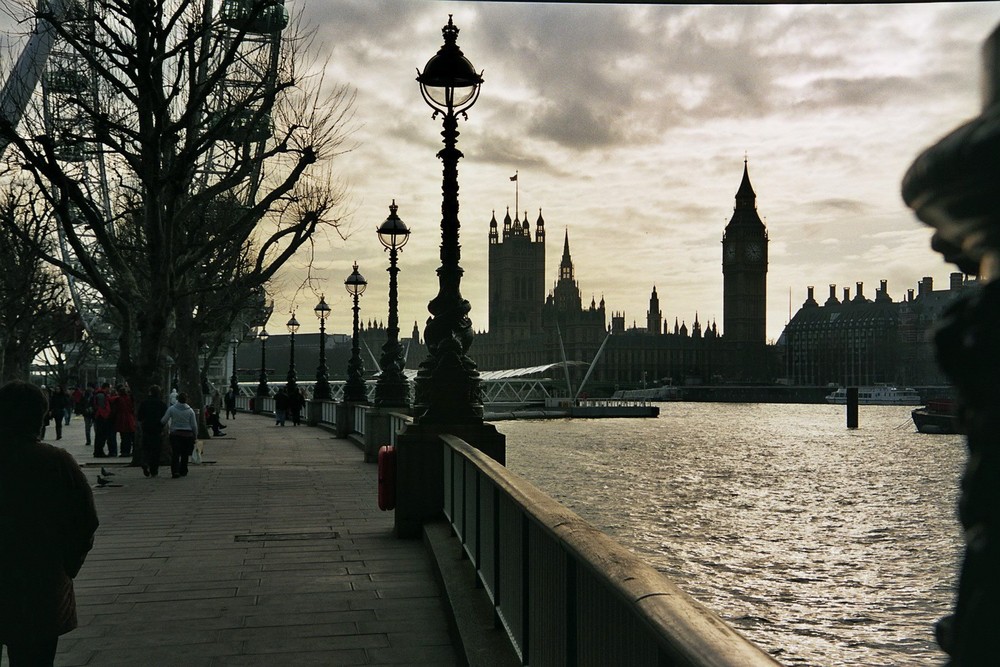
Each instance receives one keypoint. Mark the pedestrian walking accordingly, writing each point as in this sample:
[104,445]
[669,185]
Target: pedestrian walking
[183,427]
[296,401]
[77,397]
[48,520]
[104,428]
[151,412]
[59,407]
[280,407]
[48,413]
[87,412]
[124,417]
[230,403]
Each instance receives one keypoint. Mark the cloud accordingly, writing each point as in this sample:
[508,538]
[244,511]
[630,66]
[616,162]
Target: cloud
[837,206]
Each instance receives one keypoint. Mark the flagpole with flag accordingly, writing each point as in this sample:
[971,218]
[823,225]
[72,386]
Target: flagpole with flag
[516,193]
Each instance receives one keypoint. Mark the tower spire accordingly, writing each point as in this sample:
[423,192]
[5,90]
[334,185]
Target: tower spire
[566,265]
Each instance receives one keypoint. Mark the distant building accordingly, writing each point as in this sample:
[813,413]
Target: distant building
[860,341]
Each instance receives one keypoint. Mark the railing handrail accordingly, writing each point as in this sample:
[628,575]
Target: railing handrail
[687,632]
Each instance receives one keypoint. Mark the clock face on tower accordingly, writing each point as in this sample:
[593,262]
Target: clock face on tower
[730,252]
[754,251]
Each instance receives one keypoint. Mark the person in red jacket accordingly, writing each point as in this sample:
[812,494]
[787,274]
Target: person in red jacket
[123,413]
[47,525]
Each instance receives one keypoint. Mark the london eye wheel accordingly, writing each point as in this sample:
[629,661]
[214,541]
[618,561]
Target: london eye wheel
[242,41]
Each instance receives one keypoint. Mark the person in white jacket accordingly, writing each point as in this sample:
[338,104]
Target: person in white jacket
[183,427]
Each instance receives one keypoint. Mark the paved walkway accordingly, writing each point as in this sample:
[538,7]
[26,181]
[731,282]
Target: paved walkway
[272,552]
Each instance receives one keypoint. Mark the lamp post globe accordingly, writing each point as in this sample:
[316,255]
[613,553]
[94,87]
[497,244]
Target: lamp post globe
[354,389]
[322,391]
[392,388]
[262,388]
[448,389]
[293,326]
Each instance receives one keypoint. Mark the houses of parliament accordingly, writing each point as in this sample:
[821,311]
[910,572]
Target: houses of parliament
[528,327]
[848,341]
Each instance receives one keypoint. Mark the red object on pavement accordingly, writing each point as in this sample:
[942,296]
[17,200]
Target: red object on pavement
[387,477]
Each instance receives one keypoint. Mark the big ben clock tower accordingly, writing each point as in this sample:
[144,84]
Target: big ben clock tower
[744,270]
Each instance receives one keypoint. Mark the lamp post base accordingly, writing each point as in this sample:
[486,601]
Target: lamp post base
[420,469]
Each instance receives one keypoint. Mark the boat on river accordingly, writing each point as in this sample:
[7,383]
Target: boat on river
[938,416]
[664,393]
[881,394]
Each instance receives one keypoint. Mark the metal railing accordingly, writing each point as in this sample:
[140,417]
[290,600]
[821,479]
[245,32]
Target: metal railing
[566,593]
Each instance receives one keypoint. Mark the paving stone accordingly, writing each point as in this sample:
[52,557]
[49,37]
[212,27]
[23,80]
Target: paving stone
[168,582]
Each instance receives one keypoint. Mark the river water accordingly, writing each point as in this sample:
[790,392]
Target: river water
[823,545]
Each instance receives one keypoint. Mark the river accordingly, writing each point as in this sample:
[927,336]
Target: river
[823,545]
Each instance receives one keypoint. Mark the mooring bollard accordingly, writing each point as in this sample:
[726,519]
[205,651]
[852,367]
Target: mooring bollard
[852,407]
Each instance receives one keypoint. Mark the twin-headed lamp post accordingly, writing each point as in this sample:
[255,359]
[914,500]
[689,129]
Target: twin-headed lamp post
[322,391]
[447,385]
[392,389]
[354,389]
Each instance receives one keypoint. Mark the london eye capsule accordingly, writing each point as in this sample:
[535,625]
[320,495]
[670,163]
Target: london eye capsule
[255,16]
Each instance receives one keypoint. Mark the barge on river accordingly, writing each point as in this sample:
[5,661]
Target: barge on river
[878,395]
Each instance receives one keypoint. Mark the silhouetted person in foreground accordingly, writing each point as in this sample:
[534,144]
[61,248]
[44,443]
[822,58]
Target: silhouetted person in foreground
[47,524]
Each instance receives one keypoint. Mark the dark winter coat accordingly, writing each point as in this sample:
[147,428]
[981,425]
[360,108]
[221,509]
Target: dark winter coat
[47,524]
[151,410]
[58,402]
[123,413]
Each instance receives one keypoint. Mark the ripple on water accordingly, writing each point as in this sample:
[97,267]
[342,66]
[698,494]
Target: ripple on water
[843,541]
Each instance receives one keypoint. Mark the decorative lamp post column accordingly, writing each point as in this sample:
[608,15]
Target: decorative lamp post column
[262,389]
[322,390]
[354,388]
[447,385]
[234,381]
[293,326]
[392,389]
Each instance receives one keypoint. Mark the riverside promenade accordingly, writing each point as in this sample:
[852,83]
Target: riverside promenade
[271,552]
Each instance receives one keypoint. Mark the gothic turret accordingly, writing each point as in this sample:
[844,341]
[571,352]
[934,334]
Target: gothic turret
[567,293]
[566,264]
[494,237]
[654,316]
[540,228]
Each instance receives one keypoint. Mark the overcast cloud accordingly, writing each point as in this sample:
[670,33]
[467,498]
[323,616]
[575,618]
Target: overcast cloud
[628,126]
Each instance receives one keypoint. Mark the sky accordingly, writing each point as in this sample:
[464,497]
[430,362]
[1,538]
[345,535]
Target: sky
[628,126]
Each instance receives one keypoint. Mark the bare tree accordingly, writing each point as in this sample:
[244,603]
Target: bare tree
[209,151]
[34,304]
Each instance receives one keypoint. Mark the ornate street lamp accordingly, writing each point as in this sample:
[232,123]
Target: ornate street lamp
[392,389]
[322,390]
[293,326]
[354,388]
[234,381]
[262,389]
[447,385]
